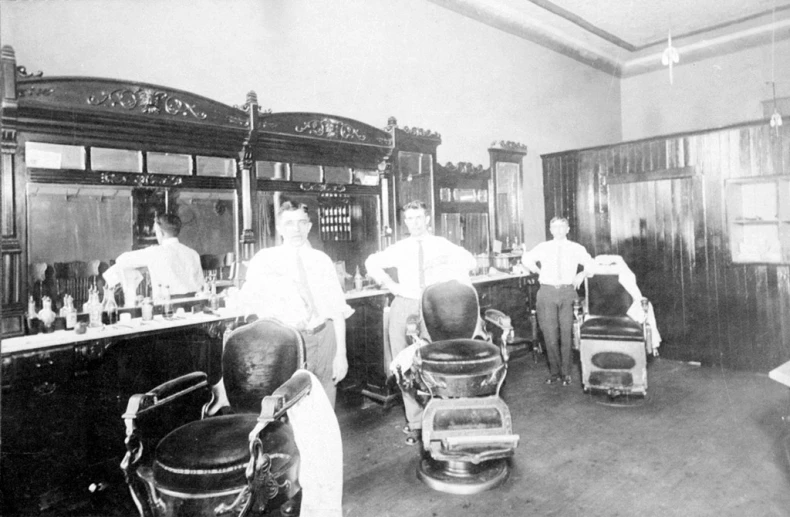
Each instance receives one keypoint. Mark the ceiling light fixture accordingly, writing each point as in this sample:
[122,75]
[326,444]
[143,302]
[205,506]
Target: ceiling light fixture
[776,117]
[670,56]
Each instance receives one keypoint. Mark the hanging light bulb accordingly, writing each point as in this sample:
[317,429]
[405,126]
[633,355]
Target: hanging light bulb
[776,117]
[776,120]
[670,56]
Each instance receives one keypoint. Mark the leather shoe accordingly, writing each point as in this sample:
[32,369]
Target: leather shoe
[566,381]
[554,379]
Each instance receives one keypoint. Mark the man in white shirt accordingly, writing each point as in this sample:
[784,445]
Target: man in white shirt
[559,279]
[170,264]
[298,285]
[422,259]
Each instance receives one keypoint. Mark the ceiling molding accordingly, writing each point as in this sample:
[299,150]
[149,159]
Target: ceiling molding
[603,51]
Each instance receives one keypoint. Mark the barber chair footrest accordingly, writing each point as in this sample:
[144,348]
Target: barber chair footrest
[462,478]
[473,430]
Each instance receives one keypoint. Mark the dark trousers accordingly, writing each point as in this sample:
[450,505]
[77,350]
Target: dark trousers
[555,317]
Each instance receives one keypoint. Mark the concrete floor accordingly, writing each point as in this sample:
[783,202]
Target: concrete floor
[704,442]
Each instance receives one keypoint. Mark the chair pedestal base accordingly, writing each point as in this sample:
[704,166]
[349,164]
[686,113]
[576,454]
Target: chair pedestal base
[462,477]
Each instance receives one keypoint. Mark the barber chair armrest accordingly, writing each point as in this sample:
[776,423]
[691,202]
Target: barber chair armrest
[152,415]
[274,406]
[498,318]
[166,394]
[502,321]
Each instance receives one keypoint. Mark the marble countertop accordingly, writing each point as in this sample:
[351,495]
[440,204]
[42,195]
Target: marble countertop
[132,326]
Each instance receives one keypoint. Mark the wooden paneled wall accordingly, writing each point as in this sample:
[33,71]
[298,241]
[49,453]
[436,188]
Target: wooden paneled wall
[660,203]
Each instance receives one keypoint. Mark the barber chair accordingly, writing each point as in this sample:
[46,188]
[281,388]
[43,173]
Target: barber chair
[611,331]
[467,435]
[182,462]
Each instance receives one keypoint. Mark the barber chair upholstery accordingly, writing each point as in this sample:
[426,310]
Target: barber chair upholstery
[182,462]
[467,433]
[612,331]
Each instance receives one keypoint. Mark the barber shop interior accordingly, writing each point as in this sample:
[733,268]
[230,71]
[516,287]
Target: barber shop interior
[403,258]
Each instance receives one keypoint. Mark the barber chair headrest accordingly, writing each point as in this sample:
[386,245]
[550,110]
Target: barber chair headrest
[450,310]
[258,358]
[606,296]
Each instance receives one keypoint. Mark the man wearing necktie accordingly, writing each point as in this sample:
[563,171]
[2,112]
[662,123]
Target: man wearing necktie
[559,279]
[422,259]
[298,285]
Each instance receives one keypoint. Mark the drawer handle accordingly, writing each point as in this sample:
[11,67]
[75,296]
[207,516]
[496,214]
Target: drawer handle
[46,388]
[50,362]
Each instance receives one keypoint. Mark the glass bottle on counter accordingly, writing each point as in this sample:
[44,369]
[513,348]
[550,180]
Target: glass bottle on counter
[213,299]
[93,307]
[109,307]
[147,309]
[167,304]
[68,312]
[358,280]
[32,316]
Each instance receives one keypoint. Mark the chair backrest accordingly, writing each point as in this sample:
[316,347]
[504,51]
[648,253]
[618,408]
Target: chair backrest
[258,358]
[450,310]
[606,296]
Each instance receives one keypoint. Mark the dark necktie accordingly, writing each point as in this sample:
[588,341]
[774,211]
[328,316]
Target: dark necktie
[304,287]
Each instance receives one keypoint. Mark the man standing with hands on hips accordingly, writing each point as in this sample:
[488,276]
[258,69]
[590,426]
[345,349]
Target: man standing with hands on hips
[559,279]
[422,259]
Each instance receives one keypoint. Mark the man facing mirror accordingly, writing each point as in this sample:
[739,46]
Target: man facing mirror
[170,264]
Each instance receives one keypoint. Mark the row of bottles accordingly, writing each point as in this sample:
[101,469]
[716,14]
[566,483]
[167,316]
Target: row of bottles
[334,223]
[100,311]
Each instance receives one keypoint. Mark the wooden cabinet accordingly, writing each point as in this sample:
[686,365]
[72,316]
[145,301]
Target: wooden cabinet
[61,416]
[758,216]
[411,174]
[462,207]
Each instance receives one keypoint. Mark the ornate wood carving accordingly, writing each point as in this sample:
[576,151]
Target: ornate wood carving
[465,168]
[148,101]
[507,145]
[141,180]
[330,128]
[35,92]
[422,133]
[22,72]
[321,187]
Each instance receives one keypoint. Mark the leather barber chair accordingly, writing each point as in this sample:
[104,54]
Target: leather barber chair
[182,462]
[612,331]
[467,435]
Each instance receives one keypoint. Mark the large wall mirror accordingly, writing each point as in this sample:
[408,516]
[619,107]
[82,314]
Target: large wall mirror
[345,226]
[76,231]
[414,181]
[508,210]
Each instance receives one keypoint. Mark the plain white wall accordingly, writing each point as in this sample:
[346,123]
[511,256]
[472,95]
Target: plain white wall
[365,59]
[712,93]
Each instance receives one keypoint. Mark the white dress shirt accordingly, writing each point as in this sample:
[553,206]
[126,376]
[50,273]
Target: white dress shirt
[271,287]
[169,264]
[443,261]
[559,261]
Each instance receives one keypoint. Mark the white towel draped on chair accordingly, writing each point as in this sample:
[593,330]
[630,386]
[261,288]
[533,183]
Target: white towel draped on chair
[614,264]
[317,436]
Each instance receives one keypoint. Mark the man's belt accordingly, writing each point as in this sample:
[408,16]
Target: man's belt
[556,286]
[315,330]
